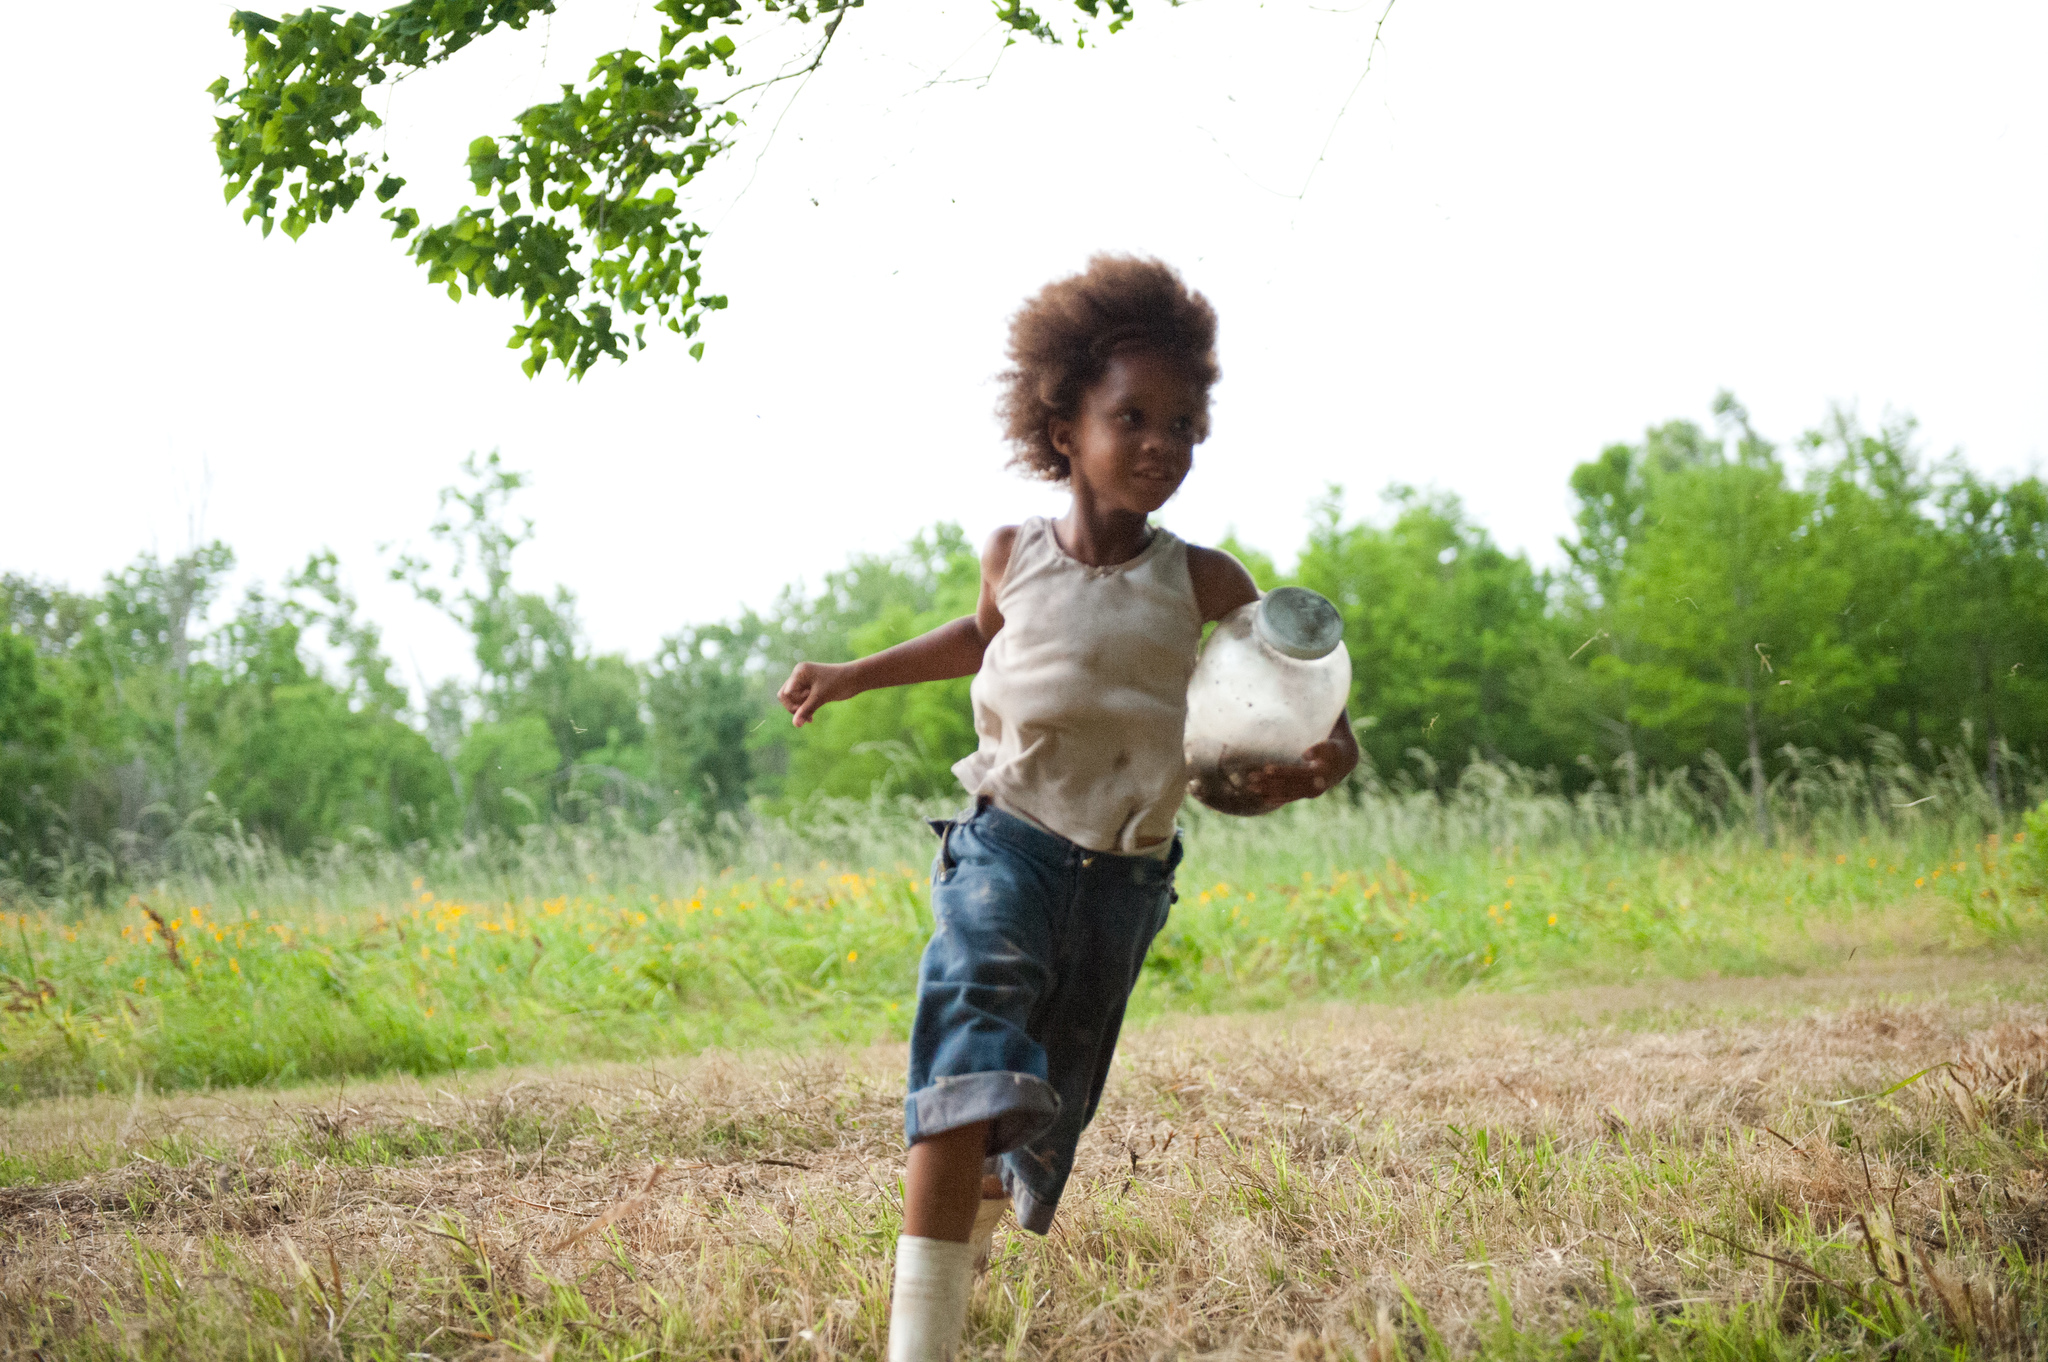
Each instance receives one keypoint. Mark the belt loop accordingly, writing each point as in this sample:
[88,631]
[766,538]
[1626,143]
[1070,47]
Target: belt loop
[943,827]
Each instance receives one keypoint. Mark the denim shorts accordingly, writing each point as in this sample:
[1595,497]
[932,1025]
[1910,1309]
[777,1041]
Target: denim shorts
[1035,946]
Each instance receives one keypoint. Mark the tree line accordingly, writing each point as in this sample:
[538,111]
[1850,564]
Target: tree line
[1721,601]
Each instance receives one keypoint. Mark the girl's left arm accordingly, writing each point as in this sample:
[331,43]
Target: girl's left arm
[1221,586]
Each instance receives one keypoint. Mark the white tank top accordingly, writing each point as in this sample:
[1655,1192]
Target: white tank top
[1082,698]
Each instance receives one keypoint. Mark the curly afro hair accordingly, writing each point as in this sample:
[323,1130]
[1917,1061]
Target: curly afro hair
[1062,340]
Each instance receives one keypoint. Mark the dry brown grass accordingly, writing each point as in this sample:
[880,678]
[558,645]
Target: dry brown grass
[1656,1165]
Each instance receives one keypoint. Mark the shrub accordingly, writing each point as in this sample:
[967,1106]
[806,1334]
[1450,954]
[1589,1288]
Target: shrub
[2030,859]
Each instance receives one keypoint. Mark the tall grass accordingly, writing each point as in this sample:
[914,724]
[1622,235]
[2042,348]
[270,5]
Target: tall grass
[238,965]
[1939,798]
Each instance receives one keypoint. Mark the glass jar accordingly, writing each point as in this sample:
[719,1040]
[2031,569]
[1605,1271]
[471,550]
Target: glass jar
[1269,685]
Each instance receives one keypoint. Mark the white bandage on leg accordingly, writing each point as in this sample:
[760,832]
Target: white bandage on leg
[928,1312]
[982,1241]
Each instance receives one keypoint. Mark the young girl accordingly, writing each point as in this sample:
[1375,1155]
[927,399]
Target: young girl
[1046,896]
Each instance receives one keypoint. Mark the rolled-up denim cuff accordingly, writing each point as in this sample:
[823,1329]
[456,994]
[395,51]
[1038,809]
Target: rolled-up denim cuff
[1034,1208]
[1018,1107]
[1032,1214]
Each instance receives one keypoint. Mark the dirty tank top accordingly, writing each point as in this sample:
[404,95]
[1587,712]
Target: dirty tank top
[1082,697]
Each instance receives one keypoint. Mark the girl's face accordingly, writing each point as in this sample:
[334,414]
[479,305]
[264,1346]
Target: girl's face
[1133,441]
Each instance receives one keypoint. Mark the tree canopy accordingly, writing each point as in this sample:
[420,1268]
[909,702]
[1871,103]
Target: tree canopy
[1724,608]
[584,218]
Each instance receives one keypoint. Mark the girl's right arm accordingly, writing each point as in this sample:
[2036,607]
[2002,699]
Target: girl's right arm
[953,649]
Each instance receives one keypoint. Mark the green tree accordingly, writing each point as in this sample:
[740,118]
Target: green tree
[721,738]
[54,727]
[711,694]
[532,662]
[509,768]
[1727,611]
[1993,562]
[1446,632]
[1595,698]
[145,719]
[1873,533]
[301,764]
[584,221]
[903,740]
[361,643]
[152,612]
[473,528]
[34,762]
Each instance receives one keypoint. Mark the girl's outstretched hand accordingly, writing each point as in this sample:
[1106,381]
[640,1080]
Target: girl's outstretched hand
[1321,767]
[812,684]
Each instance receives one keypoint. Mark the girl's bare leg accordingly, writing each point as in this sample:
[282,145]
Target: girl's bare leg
[944,1187]
[934,1259]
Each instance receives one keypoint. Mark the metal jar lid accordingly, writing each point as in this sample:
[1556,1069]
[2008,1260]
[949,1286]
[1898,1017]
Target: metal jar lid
[1299,623]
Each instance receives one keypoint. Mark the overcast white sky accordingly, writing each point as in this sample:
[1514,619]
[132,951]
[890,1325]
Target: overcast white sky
[1535,230]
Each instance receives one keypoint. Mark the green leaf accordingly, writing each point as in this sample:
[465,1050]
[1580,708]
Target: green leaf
[1906,1082]
[602,244]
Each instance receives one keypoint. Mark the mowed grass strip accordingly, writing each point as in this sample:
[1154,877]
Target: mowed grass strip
[1703,1169]
[179,994]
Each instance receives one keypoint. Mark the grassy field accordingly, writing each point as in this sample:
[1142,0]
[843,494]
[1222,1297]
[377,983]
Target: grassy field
[1719,1169]
[1404,1080]
[288,977]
